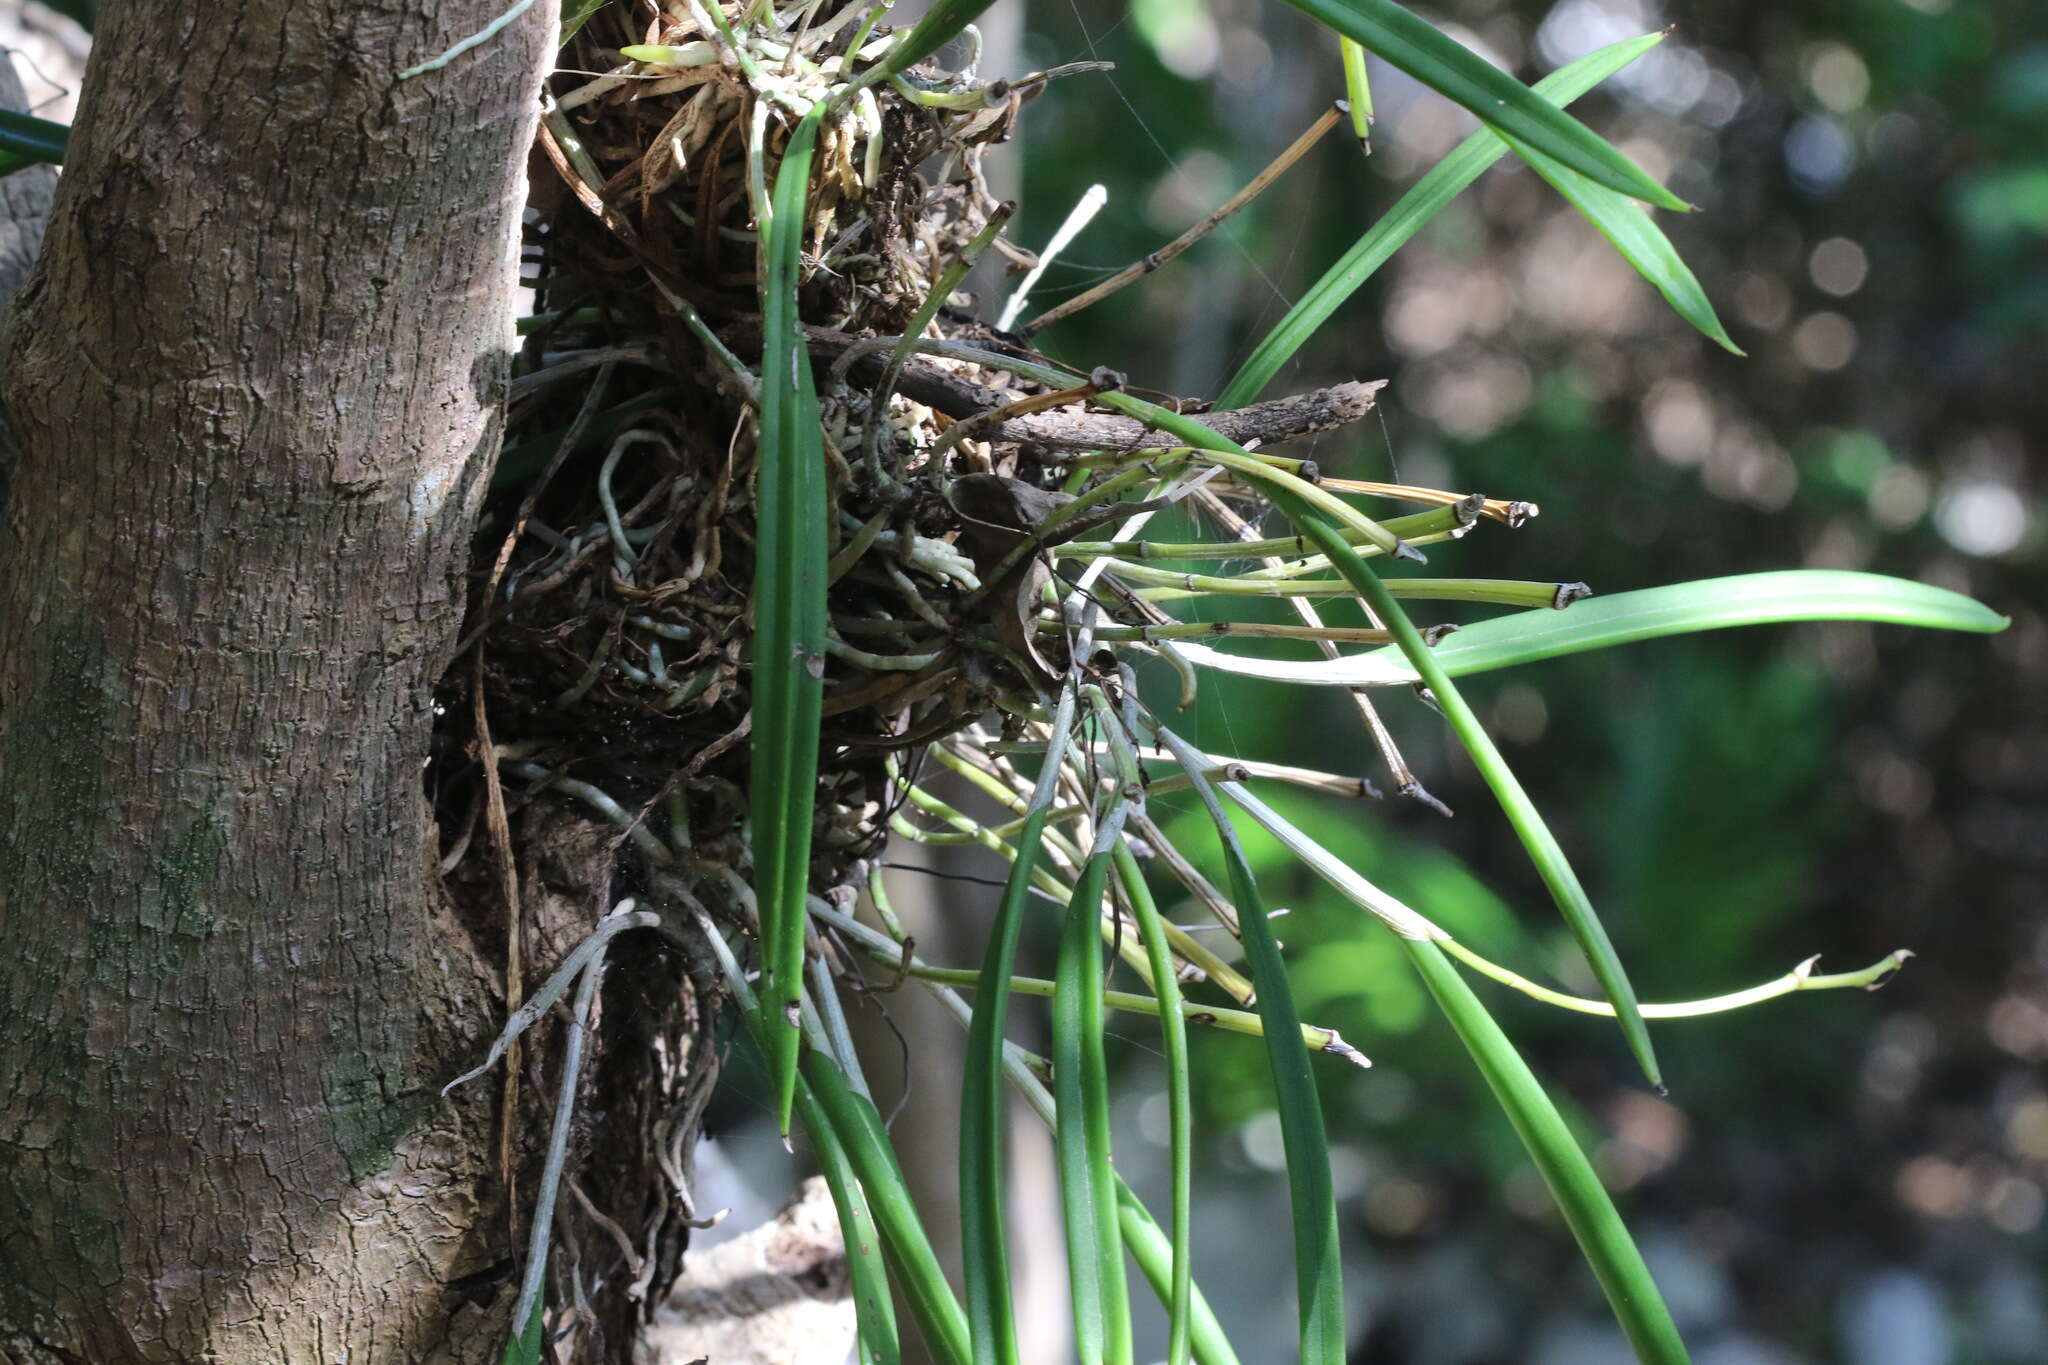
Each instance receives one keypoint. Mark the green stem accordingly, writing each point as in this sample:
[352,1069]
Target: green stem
[1318,1265]
[1800,978]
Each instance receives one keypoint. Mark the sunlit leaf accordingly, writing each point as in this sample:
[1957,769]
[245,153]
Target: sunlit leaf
[1646,614]
[1637,237]
[1501,102]
[1428,196]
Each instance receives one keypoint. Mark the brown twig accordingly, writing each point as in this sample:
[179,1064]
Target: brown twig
[983,426]
[515,971]
[1139,269]
[1272,422]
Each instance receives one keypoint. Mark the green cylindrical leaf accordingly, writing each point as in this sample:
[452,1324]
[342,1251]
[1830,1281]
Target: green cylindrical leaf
[1173,1047]
[1148,1247]
[1080,1075]
[26,140]
[787,683]
[984,1257]
[874,1307]
[859,1130]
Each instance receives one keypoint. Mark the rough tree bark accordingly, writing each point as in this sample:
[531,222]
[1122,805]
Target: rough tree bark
[256,380]
[24,212]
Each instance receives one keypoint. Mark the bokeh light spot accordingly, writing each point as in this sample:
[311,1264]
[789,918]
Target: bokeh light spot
[1838,266]
[1824,341]
[1819,155]
[1763,301]
[1931,1186]
[1837,77]
[1982,517]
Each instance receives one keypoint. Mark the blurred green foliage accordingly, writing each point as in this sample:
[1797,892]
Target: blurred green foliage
[1873,182]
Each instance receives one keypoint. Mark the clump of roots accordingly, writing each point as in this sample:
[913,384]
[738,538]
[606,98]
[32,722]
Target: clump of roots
[601,696]
[613,620]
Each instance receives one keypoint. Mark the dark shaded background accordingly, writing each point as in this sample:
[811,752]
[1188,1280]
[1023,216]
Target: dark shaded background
[1835,1176]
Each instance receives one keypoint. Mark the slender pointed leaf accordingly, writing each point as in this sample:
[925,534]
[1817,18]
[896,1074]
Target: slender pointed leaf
[1403,40]
[1637,237]
[1602,1237]
[1444,182]
[833,1113]
[1318,1264]
[1148,1247]
[874,1307]
[789,616]
[1142,1237]
[858,1128]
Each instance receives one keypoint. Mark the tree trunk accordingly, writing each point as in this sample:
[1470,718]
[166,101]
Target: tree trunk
[256,379]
